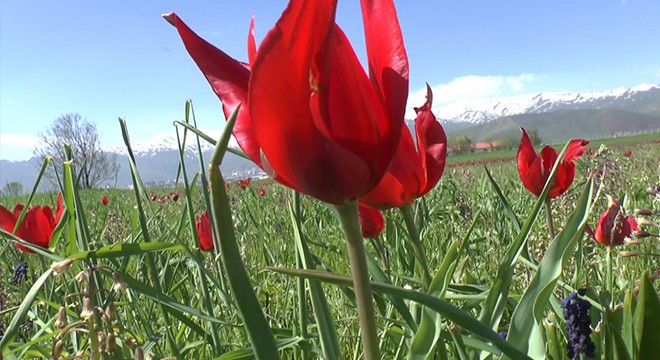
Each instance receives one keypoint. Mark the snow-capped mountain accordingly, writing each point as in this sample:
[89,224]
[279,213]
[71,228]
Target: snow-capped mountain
[162,142]
[483,111]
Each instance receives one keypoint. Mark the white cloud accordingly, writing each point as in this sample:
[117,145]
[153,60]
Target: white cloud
[17,146]
[470,87]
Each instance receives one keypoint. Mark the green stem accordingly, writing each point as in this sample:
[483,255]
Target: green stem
[548,215]
[610,279]
[348,215]
[409,219]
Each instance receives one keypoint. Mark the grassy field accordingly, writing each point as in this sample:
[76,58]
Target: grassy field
[178,302]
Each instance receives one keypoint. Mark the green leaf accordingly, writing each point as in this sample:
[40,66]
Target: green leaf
[125,250]
[248,353]
[647,319]
[19,317]
[524,330]
[446,309]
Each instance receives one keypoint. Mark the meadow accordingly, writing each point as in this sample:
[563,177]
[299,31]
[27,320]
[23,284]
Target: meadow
[135,284]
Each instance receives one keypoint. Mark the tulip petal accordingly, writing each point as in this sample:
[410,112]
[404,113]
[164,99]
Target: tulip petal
[307,81]
[229,80]
[575,149]
[372,221]
[432,143]
[37,225]
[252,45]
[7,219]
[203,225]
[388,62]
[526,157]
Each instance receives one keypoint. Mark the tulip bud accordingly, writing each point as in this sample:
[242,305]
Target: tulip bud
[59,267]
[633,242]
[57,350]
[138,354]
[639,212]
[652,191]
[119,284]
[61,318]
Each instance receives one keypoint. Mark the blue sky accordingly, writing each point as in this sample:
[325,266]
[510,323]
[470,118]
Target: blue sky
[114,59]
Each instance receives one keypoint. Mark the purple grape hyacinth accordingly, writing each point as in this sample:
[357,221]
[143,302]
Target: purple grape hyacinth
[578,325]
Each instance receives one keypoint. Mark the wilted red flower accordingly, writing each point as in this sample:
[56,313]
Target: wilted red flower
[310,115]
[203,226]
[371,221]
[105,201]
[37,226]
[261,192]
[627,153]
[414,172]
[534,170]
[174,196]
[613,226]
[244,183]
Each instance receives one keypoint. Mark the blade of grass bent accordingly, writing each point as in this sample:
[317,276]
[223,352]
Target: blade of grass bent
[257,327]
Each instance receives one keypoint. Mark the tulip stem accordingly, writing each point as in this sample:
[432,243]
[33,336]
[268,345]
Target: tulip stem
[348,215]
[610,279]
[413,234]
[548,214]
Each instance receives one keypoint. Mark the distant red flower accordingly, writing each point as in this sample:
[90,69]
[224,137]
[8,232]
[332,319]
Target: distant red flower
[154,196]
[627,153]
[414,171]
[261,192]
[37,226]
[534,170]
[203,226]
[613,226]
[105,201]
[174,196]
[371,221]
[244,183]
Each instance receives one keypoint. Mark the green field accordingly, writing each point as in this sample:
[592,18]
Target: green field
[179,303]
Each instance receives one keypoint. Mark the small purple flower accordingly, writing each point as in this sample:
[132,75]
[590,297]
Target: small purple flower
[578,325]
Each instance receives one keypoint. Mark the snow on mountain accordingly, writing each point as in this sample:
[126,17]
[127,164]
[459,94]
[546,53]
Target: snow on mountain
[485,110]
[167,142]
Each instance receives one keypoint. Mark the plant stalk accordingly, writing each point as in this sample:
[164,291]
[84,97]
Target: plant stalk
[548,215]
[409,219]
[348,215]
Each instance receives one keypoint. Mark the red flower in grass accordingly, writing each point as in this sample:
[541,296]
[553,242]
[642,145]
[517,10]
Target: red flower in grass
[627,153]
[414,172]
[174,196]
[534,169]
[105,201]
[310,116]
[613,226]
[154,196]
[203,225]
[371,221]
[244,183]
[37,226]
[261,192]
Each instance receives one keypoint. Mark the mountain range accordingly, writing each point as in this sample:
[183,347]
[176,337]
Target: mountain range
[555,116]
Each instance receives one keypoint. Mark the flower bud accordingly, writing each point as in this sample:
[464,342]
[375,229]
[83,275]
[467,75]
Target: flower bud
[109,312]
[82,276]
[119,285]
[652,191]
[88,309]
[639,212]
[110,343]
[59,267]
[57,350]
[138,354]
[646,222]
[640,234]
[61,318]
[633,242]
[628,253]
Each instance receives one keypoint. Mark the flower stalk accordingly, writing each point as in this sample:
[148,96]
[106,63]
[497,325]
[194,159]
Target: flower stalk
[348,215]
[413,234]
[548,216]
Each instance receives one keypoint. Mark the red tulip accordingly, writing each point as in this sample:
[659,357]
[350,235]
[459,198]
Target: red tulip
[371,221]
[203,225]
[174,196]
[414,172]
[261,192]
[154,196]
[310,115]
[37,226]
[613,226]
[244,183]
[627,153]
[105,201]
[534,170]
